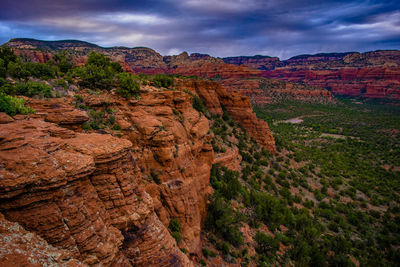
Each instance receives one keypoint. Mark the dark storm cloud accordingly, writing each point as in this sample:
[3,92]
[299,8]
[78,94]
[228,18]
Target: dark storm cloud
[220,27]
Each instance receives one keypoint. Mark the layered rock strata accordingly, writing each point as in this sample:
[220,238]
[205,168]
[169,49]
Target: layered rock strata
[242,74]
[81,193]
[237,105]
[372,74]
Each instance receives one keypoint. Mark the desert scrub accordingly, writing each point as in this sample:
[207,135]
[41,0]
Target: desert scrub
[13,105]
[163,80]
[98,72]
[175,228]
[127,85]
[30,89]
[155,176]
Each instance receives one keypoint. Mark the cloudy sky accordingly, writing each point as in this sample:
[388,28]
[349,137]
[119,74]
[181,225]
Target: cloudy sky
[282,28]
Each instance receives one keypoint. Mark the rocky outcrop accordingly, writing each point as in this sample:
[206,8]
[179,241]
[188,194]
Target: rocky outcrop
[230,159]
[106,200]
[367,82]
[237,105]
[372,74]
[170,143]
[208,67]
[22,248]
[81,193]
[158,171]
[56,110]
[255,62]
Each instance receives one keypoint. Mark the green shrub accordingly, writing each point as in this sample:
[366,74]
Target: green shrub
[163,80]
[3,69]
[266,244]
[177,236]
[224,247]
[18,70]
[33,89]
[8,89]
[198,104]
[225,183]
[116,127]
[222,219]
[127,85]
[23,70]
[13,105]
[86,126]
[174,225]
[175,228]
[209,253]
[98,72]
[154,175]
[63,61]
[7,55]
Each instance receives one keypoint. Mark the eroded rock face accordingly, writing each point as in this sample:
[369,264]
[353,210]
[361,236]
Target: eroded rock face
[255,62]
[230,159]
[237,105]
[367,82]
[110,200]
[371,74]
[78,193]
[243,74]
[22,248]
[171,144]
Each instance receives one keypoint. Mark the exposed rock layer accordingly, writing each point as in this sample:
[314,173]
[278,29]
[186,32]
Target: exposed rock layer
[237,105]
[243,76]
[78,193]
[94,195]
[371,74]
[22,248]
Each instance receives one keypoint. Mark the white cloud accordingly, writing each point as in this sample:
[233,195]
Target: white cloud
[144,19]
[221,6]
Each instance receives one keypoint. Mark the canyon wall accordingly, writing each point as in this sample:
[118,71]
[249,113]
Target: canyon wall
[371,74]
[237,105]
[241,74]
[106,197]
[81,193]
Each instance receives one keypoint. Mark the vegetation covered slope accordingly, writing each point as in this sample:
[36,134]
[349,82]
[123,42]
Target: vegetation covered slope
[329,197]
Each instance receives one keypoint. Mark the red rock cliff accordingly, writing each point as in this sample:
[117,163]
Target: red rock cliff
[94,194]
[238,106]
[81,193]
[371,74]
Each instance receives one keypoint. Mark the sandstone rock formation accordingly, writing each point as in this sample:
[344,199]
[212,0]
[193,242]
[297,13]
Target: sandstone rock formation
[230,159]
[109,200]
[372,74]
[173,149]
[255,62]
[106,200]
[81,193]
[237,105]
[22,248]
[241,74]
